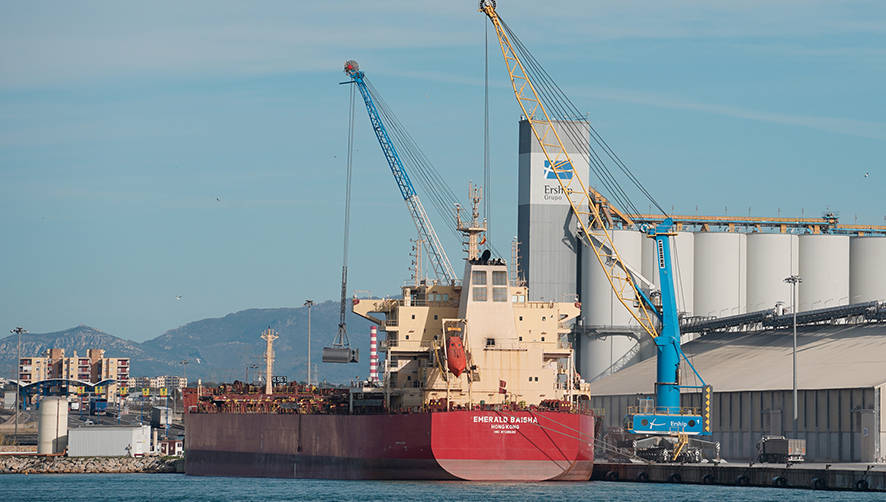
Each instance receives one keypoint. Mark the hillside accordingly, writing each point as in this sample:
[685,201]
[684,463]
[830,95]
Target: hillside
[217,349]
[225,346]
[78,338]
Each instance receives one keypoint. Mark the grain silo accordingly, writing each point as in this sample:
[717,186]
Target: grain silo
[52,427]
[824,269]
[609,327]
[771,258]
[720,274]
[867,269]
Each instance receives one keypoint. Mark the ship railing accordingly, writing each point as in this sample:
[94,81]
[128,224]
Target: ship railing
[537,304]
[634,410]
[389,342]
[506,345]
[421,302]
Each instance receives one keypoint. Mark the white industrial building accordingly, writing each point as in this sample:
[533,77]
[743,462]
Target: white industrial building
[842,379]
[723,274]
[109,441]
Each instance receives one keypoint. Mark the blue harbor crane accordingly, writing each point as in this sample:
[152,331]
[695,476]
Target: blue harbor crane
[661,431]
[437,256]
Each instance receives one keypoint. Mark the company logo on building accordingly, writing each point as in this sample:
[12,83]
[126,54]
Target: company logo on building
[565,171]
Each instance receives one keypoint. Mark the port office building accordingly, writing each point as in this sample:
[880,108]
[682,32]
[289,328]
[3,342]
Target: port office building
[841,380]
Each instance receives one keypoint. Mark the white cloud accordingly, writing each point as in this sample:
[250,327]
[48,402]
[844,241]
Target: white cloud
[56,43]
[851,127]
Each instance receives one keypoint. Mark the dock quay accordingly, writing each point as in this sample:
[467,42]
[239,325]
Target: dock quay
[815,476]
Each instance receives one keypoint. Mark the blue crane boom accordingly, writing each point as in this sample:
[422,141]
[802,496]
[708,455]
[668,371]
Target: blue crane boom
[437,256]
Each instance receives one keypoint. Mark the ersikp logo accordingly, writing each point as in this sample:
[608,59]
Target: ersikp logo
[565,171]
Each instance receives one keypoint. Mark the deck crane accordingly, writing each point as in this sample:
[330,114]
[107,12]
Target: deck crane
[341,351]
[437,256]
[666,427]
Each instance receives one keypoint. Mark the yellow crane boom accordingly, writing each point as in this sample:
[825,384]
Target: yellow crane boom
[595,214]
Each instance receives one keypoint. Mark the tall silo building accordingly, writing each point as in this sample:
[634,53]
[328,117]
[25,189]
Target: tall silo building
[546,227]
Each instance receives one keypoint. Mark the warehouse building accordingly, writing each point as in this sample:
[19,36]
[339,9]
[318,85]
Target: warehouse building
[109,441]
[841,373]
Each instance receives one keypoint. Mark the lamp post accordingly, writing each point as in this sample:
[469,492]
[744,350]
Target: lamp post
[184,364]
[309,304]
[794,280]
[18,374]
[253,366]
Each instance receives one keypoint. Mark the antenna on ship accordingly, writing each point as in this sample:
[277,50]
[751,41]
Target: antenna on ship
[341,351]
[474,228]
[417,261]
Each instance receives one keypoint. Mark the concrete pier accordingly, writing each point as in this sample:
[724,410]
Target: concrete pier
[860,477]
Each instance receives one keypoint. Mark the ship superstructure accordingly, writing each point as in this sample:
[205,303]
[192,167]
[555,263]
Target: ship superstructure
[515,349]
[481,342]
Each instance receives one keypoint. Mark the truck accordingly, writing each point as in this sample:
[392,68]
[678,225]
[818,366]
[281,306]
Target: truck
[98,406]
[778,449]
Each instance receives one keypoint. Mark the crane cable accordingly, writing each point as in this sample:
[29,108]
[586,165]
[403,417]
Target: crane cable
[441,196]
[432,183]
[487,159]
[341,338]
[565,110]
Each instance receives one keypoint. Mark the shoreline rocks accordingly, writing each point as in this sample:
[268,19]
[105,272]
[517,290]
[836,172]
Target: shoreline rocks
[33,464]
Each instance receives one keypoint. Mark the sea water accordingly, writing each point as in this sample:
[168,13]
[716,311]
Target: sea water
[161,487]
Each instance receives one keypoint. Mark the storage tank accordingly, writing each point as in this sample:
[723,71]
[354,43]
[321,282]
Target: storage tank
[867,269]
[720,274]
[683,262]
[52,431]
[824,269]
[602,310]
[771,258]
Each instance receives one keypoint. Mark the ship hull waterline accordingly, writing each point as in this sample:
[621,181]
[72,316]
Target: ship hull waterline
[455,445]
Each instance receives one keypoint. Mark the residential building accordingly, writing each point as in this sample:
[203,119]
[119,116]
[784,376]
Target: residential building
[92,368]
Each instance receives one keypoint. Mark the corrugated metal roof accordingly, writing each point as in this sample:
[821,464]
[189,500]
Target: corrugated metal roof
[829,357]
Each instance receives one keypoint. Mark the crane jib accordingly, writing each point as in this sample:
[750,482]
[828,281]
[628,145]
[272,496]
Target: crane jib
[403,182]
[437,256]
[594,217]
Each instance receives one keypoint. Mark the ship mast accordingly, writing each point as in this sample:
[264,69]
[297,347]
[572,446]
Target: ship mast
[269,336]
[473,229]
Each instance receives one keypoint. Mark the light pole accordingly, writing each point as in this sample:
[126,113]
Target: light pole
[18,374]
[253,366]
[184,364]
[309,304]
[794,280]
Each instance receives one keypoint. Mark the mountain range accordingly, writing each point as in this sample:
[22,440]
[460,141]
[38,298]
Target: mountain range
[216,349]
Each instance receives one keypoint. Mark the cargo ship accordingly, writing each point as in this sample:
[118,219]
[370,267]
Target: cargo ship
[478,383]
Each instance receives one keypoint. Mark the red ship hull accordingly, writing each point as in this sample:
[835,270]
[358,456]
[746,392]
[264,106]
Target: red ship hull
[468,445]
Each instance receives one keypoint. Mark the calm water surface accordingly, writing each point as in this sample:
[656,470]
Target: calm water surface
[157,487]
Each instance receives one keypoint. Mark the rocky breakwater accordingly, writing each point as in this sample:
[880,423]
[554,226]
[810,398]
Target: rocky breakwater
[35,464]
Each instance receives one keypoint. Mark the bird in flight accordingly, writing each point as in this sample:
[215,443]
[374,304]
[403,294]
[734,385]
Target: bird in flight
[179,297]
[867,174]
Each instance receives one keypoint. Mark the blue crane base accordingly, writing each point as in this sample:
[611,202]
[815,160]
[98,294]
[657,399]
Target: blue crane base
[670,424]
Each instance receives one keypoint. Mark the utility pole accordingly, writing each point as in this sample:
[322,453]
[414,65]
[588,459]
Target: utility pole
[309,304]
[184,364]
[794,281]
[18,386]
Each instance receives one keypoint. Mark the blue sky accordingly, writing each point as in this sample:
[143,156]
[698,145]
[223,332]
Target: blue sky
[197,149]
